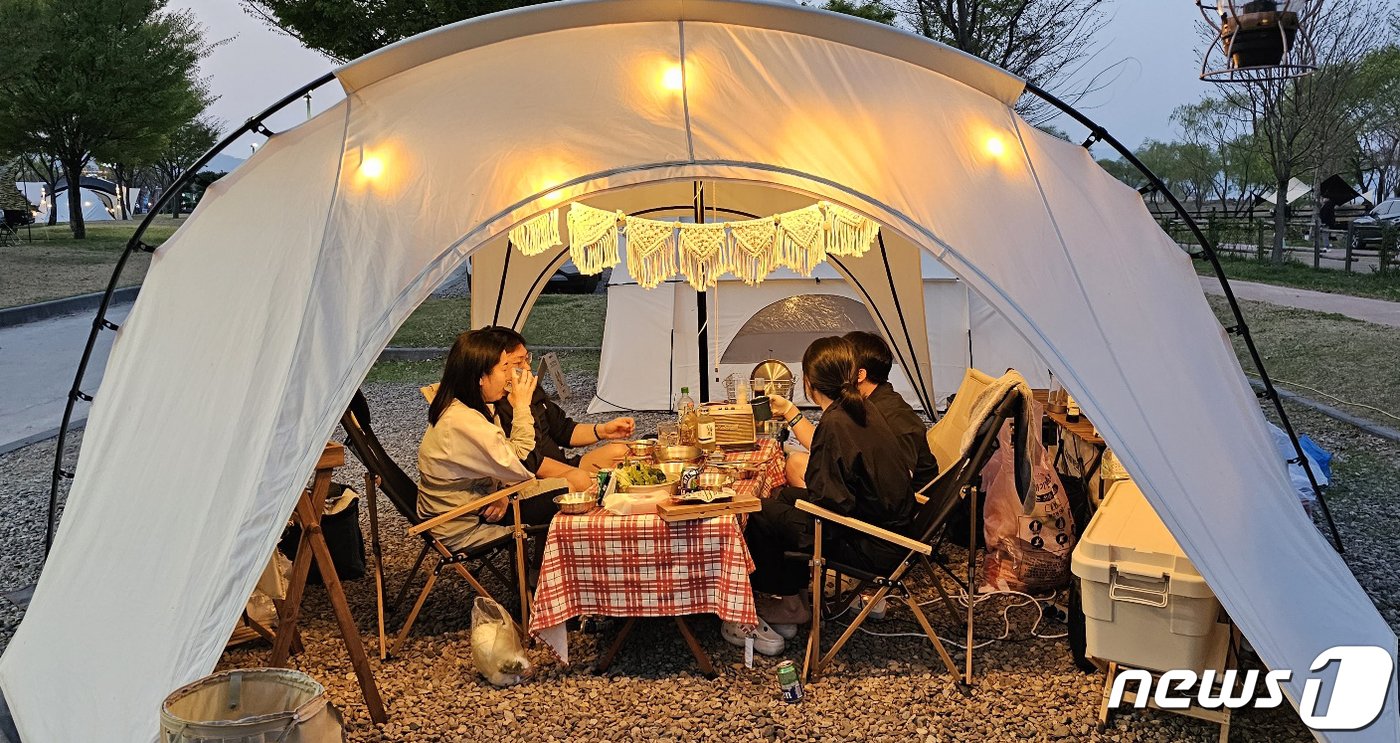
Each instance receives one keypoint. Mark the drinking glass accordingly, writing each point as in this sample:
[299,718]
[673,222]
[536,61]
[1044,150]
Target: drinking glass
[668,434]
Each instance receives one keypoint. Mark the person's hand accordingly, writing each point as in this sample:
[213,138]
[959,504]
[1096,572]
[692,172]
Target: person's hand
[781,406]
[523,389]
[579,481]
[492,512]
[617,428]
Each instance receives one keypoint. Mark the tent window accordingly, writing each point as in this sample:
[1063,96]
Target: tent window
[785,328]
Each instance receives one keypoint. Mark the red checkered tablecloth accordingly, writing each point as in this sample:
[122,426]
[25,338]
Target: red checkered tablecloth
[641,566]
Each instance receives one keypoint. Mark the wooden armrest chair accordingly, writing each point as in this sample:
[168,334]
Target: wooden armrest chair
[384,475]
[960,480]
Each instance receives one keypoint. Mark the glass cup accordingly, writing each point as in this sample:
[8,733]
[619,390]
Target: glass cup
[668,434]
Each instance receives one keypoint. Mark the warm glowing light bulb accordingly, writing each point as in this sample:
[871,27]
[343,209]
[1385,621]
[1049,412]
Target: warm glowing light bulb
[372,167]
[673,79]
[995,148]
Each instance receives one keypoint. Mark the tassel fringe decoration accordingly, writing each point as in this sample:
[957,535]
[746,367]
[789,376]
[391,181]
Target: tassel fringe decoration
[800,244]
[534,236]
[593,237]
[651,251]
[848,233]
[750,249]
[702,253]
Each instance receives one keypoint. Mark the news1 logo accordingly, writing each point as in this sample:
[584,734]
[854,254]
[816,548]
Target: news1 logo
[1356,697]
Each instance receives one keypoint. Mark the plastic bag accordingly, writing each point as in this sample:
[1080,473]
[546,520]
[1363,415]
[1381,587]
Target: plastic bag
[1321,466]
[1027,552]
[496,648]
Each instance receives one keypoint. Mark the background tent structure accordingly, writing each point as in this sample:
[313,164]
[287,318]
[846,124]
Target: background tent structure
[219,394]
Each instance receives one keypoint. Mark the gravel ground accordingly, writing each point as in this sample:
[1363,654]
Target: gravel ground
[881,689]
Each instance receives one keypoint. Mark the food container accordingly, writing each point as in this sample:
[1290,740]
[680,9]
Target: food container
[714,480]
[670,486]
[641,448]
[575,503]
[1145,604]
[679,454]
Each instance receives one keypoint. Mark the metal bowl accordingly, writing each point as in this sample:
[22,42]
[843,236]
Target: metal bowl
[641,448]
[737,470]
[575,503]
[673,470]
[678,453]
[671,485]
[713,480]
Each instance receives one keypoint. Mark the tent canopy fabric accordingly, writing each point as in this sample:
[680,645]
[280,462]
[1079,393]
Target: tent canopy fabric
[219,394]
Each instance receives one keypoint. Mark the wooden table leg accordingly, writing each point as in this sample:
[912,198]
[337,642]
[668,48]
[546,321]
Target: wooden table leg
[296,585]
[349,633]
[371,494]
[519,533]
[701,657]
[606,661]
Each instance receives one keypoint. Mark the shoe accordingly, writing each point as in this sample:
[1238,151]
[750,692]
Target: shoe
[766,641]
[786,631]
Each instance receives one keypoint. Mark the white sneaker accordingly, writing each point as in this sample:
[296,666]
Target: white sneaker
[786,631]
[766,641]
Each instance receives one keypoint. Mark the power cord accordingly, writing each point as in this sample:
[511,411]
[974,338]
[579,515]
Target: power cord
[1331,397]
[963,599]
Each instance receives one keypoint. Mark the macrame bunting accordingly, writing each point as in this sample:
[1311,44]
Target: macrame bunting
[750,249]
[593,238]
[651,251]
[534,236]
[657,250]
[702,253]
[848,233]
[800,244]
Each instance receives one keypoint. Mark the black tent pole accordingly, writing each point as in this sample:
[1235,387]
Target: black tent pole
[255,124]
[1098,134]
[703,313]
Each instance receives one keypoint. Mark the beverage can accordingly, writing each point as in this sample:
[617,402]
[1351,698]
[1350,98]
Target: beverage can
[604,475]
[789,682]
[690,479]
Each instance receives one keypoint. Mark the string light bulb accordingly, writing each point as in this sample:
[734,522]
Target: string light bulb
[372,167]
[673,78]
[995,147]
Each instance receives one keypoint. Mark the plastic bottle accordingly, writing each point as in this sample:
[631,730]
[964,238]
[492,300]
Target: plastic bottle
[705,431]
[685,409]
[1072,411]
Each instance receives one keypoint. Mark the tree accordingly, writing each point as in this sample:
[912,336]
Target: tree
[70,92]
[870,10]
[346,29]
[1046,42]
[180,151]
[1379,81]
[1302,122]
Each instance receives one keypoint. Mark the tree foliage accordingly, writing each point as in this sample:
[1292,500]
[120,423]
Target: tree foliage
[101,79]
[870,10]
[346,29]
[181,150]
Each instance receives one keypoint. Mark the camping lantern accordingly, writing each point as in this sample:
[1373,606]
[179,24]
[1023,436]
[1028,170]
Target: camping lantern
[1258,40]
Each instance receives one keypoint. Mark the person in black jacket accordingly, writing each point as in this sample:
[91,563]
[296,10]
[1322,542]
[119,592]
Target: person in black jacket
[856,468]
[873,363]
[555,432]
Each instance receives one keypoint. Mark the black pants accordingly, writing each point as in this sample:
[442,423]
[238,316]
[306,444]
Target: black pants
[780,528]
[536,511]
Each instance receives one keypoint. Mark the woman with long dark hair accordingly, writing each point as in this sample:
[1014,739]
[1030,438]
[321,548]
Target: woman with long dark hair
[464,453]
[856,469]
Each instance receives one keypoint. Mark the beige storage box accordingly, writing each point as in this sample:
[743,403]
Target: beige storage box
[1145,606]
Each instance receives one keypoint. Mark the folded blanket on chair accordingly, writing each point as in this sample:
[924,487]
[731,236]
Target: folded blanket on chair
[1010,383]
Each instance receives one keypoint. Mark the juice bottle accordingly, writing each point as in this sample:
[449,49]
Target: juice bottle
[705,431]
[685,407]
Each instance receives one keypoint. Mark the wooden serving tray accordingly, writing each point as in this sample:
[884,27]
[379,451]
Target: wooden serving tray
[736,505]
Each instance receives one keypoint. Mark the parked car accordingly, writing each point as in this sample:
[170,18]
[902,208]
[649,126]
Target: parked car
[1367,229]
[568,280]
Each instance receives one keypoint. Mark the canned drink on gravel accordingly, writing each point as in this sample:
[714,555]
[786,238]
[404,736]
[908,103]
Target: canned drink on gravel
[790,684]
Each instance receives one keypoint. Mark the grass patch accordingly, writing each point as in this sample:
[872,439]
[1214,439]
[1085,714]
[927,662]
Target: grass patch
[1350,359]
[556,320]
[1360,283]
[54,265]
[427,372]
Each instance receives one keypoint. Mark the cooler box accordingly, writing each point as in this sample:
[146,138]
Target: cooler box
[1145,606]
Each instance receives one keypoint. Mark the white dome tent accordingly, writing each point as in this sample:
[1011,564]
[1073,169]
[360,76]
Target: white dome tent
[219,394]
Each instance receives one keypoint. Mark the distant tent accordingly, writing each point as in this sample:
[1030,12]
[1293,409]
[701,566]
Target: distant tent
[1296,190]
[11,198]
[1338,190]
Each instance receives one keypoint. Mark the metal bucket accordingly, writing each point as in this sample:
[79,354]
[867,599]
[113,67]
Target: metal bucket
[255,705]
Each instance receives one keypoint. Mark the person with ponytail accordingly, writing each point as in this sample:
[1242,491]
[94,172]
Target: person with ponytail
[465,453]
[856,468]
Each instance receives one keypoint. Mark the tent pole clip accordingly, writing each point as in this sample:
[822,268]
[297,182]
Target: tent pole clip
[1097,135]
[108,324]
[66,474]
[79,394]
[262,129]
[1264,394]
[1148,189]
[1234,329]
[143,247]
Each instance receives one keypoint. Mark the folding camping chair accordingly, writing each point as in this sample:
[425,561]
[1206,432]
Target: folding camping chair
[383,474]
[960,480]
